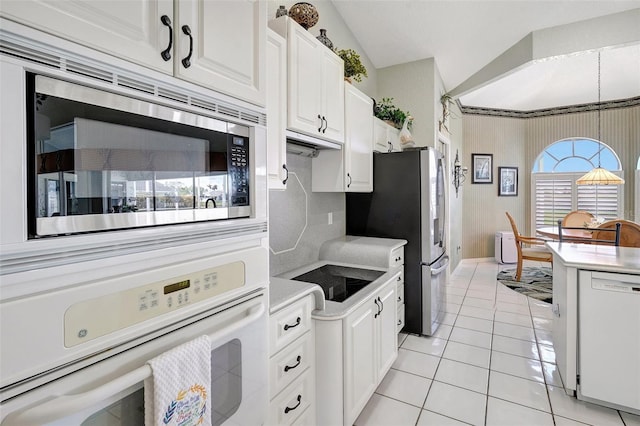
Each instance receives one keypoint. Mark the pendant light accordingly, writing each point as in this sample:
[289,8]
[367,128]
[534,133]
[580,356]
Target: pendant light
[599,176]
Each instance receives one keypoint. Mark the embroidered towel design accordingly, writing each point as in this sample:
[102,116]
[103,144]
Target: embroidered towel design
[178,393]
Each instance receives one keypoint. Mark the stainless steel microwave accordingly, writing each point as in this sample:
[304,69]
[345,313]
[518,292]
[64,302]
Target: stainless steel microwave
[100,161]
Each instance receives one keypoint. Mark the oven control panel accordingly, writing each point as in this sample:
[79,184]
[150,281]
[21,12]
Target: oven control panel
[239,171]
[97,317]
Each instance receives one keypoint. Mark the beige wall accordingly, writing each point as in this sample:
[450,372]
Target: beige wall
[411,86]
[517,142]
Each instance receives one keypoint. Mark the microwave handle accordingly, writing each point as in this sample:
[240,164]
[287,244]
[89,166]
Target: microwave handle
[65,405]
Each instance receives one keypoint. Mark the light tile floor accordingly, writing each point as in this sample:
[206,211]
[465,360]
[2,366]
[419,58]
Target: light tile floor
[491,362]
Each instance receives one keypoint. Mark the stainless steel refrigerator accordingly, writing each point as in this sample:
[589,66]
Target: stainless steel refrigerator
[408,201]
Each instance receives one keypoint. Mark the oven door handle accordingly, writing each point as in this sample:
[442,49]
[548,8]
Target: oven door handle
[66,405]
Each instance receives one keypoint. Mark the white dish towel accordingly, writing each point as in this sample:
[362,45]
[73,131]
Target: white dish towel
[179,389]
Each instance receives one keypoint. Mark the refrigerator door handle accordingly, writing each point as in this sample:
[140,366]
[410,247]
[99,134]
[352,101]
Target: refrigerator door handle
[445,264]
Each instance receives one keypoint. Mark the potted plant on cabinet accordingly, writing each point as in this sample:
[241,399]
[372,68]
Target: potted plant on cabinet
[353,68]
[385,110]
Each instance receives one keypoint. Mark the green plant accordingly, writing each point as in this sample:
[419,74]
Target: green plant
[387,111]
[353,67]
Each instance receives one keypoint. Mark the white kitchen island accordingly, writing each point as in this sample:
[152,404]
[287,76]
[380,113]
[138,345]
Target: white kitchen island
[596,324]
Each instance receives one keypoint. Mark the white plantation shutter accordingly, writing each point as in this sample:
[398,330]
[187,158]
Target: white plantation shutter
[552,200]
[556,194]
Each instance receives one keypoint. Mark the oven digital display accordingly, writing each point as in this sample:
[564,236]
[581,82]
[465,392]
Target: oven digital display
[238,141]
[177,286]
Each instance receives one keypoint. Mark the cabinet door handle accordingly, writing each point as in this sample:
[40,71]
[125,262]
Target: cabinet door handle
[399,278]
[287,409]
[326,124]
[186,62]
[381,305]
[349,176]
[378,306]
[399,322]
[291,367]
[284,182]
[390,146]
[399,299]
[166,53]
[320,118]
[287,326]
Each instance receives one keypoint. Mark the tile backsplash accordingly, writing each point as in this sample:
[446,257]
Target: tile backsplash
[299,219]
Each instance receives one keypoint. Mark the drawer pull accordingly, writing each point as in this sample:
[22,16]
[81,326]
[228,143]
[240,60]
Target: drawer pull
[287,326]
[287,367]
[287,409]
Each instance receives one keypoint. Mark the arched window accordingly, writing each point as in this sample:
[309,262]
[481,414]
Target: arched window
[554,176]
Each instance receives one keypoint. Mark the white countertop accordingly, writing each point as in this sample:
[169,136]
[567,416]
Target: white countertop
[352,251]
[284,292]
[337,310]
[371,251]
[598,257]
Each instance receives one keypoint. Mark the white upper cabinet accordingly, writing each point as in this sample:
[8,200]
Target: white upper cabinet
[227,38]
[358,149]
[276,111]
[350,169]
[226,48]
[386,138]
[315,84]
[131,30]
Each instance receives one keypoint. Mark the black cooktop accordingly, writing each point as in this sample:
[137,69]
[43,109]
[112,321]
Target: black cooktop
[339,282]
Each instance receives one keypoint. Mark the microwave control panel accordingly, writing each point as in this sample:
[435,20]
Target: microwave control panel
[239,170]
[90,319]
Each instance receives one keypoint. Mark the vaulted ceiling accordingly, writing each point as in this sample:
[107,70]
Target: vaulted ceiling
[519,55]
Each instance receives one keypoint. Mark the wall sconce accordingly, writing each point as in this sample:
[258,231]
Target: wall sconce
[459,173]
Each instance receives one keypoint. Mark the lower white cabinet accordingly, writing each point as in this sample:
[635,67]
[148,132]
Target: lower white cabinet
[354,354]
[292,365]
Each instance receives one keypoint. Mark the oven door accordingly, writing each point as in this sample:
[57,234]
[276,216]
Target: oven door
[111,392]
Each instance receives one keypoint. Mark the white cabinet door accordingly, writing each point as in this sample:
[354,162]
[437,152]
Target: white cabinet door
[226,48]
[386,324]
[358,149]
[276,111]
[305,75]
[360,369]
[132,30]
[380,135]
[315,89]
[332,100]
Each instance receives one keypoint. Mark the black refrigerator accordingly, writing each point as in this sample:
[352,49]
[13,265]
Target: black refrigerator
[408,202]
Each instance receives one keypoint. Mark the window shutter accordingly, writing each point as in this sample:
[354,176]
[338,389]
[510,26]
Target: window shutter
[600,200]
[552,199]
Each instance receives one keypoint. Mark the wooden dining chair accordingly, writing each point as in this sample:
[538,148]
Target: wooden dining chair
[577,218]
[582,234]
[529,248]
[629,232]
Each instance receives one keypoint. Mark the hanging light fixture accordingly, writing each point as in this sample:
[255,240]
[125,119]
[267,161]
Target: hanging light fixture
[599,176]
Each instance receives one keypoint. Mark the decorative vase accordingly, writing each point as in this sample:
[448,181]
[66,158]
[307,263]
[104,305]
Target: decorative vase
[406,139]
[282,11]
[304,14]
[324,39]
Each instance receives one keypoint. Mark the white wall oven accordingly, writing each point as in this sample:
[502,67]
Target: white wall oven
[82,360]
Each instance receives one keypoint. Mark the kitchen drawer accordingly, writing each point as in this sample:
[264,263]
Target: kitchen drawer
[397,257]
[400,322]
[400,293]
[307,418]
[293,401]
[289,323]
[290,363]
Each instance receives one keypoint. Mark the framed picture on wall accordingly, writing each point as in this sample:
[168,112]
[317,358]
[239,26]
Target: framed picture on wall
[482,168]
[508,181]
